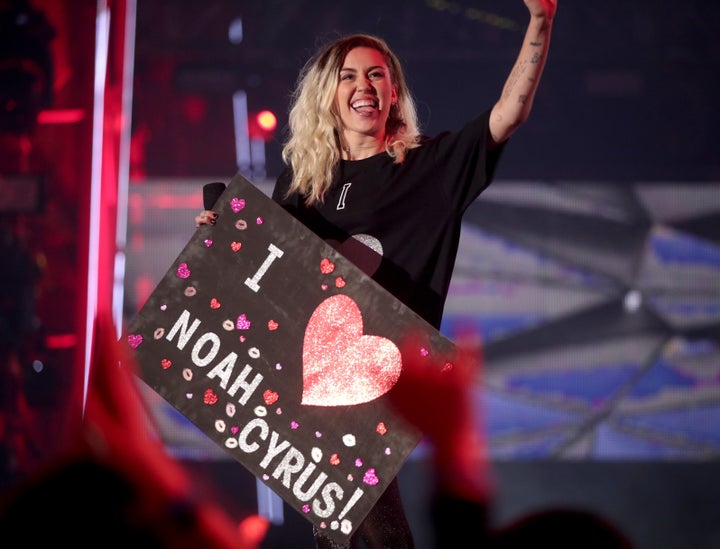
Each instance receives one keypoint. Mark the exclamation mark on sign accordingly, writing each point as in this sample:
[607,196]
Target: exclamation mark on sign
[353,500]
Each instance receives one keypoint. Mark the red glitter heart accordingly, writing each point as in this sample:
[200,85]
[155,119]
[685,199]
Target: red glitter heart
[341,366]
[236,246]
[326,266]
[272,325]
[210,397]
[165,363]
[270,397]
[214,303]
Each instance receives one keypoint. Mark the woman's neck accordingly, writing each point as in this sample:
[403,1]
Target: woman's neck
[361,149]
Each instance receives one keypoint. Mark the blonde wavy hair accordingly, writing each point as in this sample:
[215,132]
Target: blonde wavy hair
[313,147]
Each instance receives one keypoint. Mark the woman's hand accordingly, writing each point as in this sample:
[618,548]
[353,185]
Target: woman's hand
[542,8]
[206,217]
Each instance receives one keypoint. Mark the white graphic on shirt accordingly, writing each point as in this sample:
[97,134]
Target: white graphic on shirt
[371,242]
[364,250]
[343,194]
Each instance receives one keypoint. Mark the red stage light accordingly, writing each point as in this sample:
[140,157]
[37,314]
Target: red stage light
[262,125]
[266,120]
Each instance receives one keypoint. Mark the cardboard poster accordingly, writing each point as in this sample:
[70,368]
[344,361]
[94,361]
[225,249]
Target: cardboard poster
[282,351]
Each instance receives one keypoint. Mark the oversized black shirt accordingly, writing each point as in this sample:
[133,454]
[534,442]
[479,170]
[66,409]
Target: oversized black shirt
[400,223]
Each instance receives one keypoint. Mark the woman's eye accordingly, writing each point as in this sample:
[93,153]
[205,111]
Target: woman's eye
[376,74]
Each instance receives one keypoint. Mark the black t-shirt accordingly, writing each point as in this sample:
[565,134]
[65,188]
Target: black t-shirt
[400,223]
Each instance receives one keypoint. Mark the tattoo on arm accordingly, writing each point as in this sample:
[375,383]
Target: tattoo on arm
[513,79]
[536,58]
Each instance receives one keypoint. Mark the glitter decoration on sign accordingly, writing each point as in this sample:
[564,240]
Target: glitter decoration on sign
[358,462]
[183,271]
[340,282]
[228,325]
[208,243]
[334,459]
[316,454]
[165,363]
[241,224]
[237,204]
[348,440]
[341,365]
[370,477]
[270,397]
[219,425]
[163,307]
[214,303]
[235,246]
[190,291]
[231,443]
[158,333]
[234,429]
[306,508]
[210,397]
[272,325]
[388,451]
[294,425]
[260,411]
[381,428]
[230,409]
[134,340]
[242,322]
[187,374]
[326,266]
[424,352]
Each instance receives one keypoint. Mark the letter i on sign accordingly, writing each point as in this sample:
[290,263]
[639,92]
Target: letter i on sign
[275,252]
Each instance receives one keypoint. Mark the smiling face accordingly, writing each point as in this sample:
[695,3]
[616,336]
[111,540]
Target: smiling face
[364,95]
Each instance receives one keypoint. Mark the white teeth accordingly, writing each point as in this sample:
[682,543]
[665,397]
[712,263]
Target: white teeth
[364,103]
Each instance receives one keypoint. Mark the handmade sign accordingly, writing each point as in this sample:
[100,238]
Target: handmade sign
[283,351]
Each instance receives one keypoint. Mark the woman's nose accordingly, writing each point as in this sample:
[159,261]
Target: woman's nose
[365,83]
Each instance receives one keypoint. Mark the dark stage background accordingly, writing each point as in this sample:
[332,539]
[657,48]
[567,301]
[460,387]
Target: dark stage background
[590,266]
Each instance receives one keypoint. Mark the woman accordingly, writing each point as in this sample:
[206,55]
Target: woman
[360,175]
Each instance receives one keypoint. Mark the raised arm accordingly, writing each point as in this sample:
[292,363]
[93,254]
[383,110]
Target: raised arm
[515,103]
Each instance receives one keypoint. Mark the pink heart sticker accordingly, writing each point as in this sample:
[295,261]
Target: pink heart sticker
[370,477]
[237,204]
[242,322]
[183,271]
[134,340]
[341,366]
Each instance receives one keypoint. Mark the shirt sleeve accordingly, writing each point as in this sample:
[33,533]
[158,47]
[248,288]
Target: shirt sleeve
[466,161]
